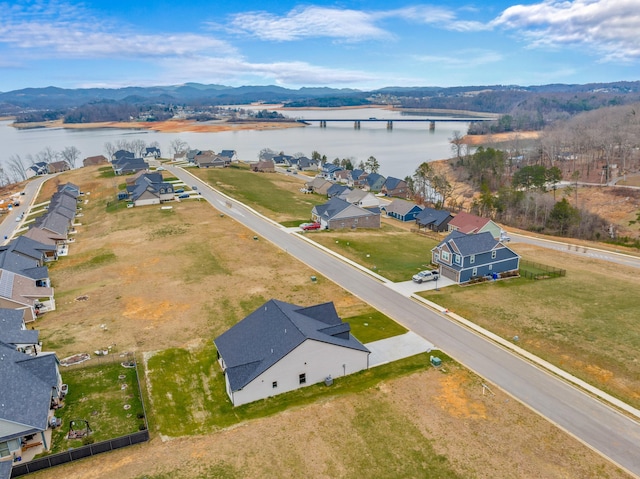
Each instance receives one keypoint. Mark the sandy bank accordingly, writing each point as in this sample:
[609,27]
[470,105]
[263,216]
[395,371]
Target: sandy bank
[170,126]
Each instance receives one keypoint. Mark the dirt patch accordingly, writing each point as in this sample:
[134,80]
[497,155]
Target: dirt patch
[477,140]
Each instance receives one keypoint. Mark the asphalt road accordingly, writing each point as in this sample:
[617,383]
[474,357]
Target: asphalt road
[597,425]
[612,257]
[9,223]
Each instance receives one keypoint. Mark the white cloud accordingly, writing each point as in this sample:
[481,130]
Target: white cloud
[310,22]
[462,59]
[609,27]
[60,30]
[234,70]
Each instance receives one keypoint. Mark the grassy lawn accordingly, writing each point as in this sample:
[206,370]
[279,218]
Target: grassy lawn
[188,391]
[392,252]
[275,196]
[585,323]
[96,394]
[373,326]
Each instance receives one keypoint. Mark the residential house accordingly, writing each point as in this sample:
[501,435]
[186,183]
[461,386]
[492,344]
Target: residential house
[470,224]
[357,178]
[307,164]
[32,249]
[336,190]
[339,214]
[150,189]
[191,155]
[95,160]
[373,182]
[208,159]
[282,159]
[31,391]
[25,284]
[344,177]
[463,257]
[180,156]
[281,347]
[152,152]
[230,156]
[54,223]
[70,189]
[48,238]
[127,165]
[37,169]
[395,187]
[318,185]
[402,210]
[329,170]
[434,220]
[123,154]
[14,332]
[364,199]
[58,167]
[264,166]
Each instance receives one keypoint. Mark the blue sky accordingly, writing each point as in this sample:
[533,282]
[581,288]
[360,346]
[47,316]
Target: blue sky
[344,44]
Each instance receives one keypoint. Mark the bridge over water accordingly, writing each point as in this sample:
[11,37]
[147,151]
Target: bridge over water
[358,121]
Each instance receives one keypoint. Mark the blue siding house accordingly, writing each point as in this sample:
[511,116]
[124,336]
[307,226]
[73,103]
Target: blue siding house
[402,210]
[462,257]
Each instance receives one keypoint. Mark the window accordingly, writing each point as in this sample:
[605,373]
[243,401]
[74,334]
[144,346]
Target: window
[474,272]
[303,378]
[457,258]
[274,384]
[4,449]
[472,258]
[493,254]
[490,267]
[445,256]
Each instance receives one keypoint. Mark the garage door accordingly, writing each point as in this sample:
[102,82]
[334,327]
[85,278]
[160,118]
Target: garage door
[449,273]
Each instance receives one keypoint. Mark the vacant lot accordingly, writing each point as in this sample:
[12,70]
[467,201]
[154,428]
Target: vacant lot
[171,280]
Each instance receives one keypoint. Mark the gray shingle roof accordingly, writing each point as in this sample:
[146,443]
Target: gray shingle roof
[468,244]
[272,331]
[430,216]
[5,469]
[22,265]
[27,382]
[11,332]
[400,207]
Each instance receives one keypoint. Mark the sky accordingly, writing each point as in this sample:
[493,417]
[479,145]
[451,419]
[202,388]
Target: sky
[343,44]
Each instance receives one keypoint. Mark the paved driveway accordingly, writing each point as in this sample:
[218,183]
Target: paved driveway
[397,347]
[407,288]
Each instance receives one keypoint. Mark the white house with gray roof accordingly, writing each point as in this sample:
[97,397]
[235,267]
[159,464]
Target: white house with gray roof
[31,388]
[281,347]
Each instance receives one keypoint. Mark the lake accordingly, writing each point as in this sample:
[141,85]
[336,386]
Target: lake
[399,151]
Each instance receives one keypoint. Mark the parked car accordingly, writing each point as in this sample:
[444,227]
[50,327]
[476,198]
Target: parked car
[310,226]
[504,237]
[183,196]
[194,187]
[179,190]
[426,275]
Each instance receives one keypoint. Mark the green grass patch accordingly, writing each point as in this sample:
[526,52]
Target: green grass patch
[96,394]
[114,206]
[586,324]
[391,252]
[373,326]
[294,223]
[95,259]
[262,192]
[106,172]
[188,391]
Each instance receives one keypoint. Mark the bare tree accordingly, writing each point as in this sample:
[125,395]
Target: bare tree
[70,154]
[178,146]
[138,147]
[109,149]
[456,143]
[48,155]
[17,170]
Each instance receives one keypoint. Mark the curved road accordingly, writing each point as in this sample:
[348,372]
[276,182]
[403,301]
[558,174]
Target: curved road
[602,428]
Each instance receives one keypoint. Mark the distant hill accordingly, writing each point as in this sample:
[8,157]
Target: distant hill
[531,106]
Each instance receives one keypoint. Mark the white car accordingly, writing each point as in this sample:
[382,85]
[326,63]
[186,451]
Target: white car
[427,275]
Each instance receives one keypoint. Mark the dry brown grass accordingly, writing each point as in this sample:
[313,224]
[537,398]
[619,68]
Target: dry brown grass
[161,279]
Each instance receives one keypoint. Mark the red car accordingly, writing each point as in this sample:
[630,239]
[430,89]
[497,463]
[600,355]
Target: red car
[310,226]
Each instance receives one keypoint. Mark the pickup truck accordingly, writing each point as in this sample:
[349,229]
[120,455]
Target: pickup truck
[426,276]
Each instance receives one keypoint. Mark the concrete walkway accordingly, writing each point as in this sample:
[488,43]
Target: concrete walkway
[397,347]
[407,288]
